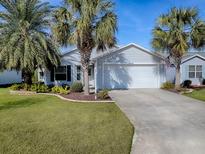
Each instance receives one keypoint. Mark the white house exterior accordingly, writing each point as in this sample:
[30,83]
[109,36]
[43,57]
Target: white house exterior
[127,67]
[10,77]
[131,66]
[192,68]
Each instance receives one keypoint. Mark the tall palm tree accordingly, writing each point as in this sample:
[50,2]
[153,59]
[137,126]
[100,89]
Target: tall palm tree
[25,43]
[176,33]
[86,24]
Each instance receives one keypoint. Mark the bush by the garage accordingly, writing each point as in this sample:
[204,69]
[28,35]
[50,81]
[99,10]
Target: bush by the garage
[103,94]
[167,85]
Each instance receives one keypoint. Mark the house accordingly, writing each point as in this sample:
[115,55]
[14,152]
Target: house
[127,67]
[10,77]
[192,68]
[131,66]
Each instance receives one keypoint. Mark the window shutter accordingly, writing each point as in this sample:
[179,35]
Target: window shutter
[52,74]
[68,73]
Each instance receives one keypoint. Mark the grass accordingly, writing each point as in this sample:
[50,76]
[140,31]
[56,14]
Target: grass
[41,124]
[197,94]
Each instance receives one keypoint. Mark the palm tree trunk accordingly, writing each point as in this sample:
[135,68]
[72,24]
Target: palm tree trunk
[85,60]
[178,78]
[86,81]
[27,76]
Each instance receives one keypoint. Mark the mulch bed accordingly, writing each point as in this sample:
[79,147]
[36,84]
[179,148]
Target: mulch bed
[197,87]
[81,96]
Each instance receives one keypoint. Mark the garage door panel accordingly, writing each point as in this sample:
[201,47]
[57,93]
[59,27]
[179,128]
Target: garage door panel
[130,76]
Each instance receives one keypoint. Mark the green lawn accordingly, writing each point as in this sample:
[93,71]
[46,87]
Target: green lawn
[197,94]
[46,124]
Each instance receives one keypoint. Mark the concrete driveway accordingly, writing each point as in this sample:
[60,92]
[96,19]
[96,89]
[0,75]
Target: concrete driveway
[165,123]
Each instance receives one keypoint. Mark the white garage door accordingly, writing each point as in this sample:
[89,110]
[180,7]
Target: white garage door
[131,76]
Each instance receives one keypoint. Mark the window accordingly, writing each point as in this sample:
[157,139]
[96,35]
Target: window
[191,71]
[78,72]
[41,75]
[198,71]
[195,71]
[60,73]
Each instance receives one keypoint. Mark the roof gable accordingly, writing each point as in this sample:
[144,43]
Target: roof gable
[192,57]
[130,46]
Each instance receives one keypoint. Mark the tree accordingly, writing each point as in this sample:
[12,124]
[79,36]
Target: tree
[25,43]
[177,32]
[86,24]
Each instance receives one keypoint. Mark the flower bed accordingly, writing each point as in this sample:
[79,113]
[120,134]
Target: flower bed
[197,86]
[60,91]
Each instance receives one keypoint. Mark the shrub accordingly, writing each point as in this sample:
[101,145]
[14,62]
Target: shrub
[61,90]
[103,94]
[41,88]
[65,90]
[16,87]
[203,82]
[55,89]
[187,84]
[76,87]
[34,87]
[26,87]
[167,85]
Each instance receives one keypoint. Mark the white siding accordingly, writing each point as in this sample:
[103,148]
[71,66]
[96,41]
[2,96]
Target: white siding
[131,76]
[185,69]
[170,74]
[72,59]
[9,77]
[129,56]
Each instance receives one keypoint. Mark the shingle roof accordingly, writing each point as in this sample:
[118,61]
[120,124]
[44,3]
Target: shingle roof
[190,54]
[187,55]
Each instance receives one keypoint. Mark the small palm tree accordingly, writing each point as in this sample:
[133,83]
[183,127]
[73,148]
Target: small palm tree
[25,43]
[176,33]
[86,24]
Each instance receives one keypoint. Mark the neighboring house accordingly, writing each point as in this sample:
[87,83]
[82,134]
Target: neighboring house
[127,67]
[192,68]
[10,77]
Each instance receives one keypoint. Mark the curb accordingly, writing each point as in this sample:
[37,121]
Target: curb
[77,101]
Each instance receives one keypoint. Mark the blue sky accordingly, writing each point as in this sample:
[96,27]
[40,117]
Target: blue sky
[136,18]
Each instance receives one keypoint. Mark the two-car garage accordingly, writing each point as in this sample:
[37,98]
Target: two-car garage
[131,67]
[131,76]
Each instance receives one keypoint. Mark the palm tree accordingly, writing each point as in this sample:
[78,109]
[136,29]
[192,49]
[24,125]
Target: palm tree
[25,43]
[86,24]
[176,33]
